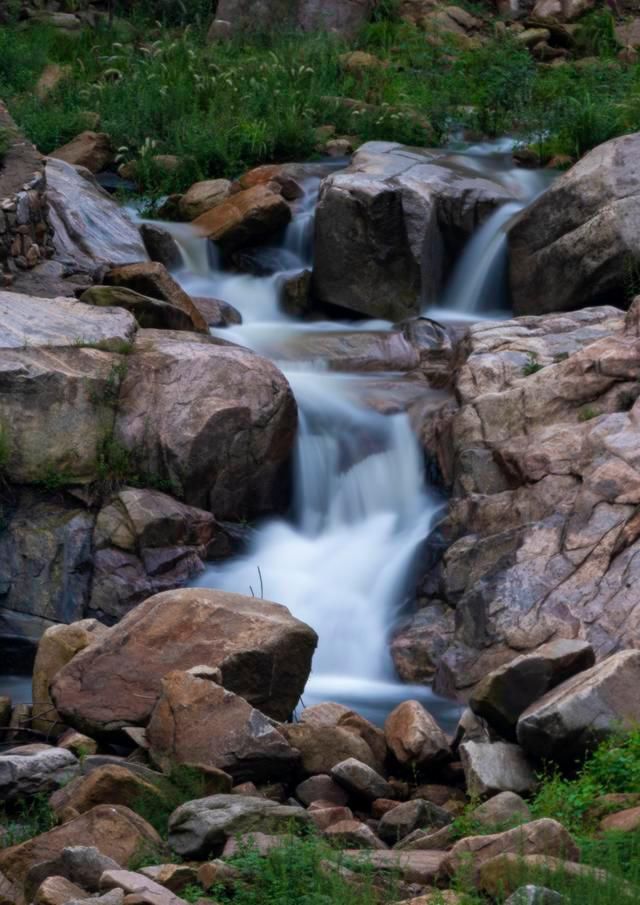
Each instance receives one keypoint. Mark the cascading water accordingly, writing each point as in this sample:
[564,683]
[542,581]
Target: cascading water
[343,561]
[477,287]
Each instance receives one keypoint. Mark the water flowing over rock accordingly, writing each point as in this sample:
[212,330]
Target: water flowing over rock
[386,226]
[215,421]
[263,652]
[586,225]
[541,460]
[90,228]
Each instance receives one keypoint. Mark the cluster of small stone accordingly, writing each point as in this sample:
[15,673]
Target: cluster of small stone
[25,232]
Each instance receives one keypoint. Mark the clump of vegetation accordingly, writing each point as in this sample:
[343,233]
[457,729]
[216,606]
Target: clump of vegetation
[614,766]
[30,818]
[223,107]
[532,366]
[5,143]
[588,413]
[182,784]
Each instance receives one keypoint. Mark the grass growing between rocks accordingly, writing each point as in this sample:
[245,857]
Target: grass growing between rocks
[181,785]
[28,819]
[227,106]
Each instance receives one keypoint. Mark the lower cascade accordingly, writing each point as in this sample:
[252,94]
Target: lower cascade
[362,508]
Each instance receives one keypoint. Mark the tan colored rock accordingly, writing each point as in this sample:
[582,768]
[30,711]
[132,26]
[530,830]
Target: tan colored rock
[263,652]
[245,218]
[79,744]
[203,197]
[503,874]
[437,897]
[215,873]
[115,830]
[354,834]
[57,647]
[50,79]
[106,785]
[400,822]
[143,888]
[91,150]
[562,10]
[153,279]
[198,721]
[175,877]
[424,868]
[492,767]
[330,714]
[357,61]
[627,821]
[414,736]
[321,788]
[539,837]
[215,420]
[361,780]
[329,816]
[503,809]
[322,748]
[58,891]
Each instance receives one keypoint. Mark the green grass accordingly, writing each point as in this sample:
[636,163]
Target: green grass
[532,366]
[29,818]
[223,107]
[5,143]
[182,784]
[613,767]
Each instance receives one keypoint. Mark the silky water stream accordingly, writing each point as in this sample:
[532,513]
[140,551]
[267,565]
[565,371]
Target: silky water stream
[344,559]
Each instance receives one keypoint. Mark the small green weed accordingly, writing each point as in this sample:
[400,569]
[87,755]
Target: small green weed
[53,479]
[588,413]
[30,818]
[182,784]
[532,366]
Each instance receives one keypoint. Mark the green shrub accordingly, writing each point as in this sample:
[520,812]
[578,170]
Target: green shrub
[182,784]
[5,143]
[28,819]
[532,366]
[595,35]
[614,766]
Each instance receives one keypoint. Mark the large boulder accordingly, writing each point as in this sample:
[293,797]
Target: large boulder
[58,645]
[506,692]
[539,837]
[90,229]
[361,780]
[541,535]
[587,225]
[146,542]
[386,227]
[199,829]
[263,652]
[584,710]
[57,375]
[22,776]
[245,218]
[197,721]
[91,150]
[115,830]
[342,16]
[214,420]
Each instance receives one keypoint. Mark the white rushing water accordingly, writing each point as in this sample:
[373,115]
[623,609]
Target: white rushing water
[476,289]
[343,560]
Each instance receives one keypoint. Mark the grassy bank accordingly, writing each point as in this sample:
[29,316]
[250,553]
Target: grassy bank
[224,107]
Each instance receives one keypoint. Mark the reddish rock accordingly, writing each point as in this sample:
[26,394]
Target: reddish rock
[91,150]
[414,736]
[153,279]
[263,652]
[245,218]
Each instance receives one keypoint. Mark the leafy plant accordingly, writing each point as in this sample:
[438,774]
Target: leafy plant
[532,366]
[182,784]
[588,413]
[596,35]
